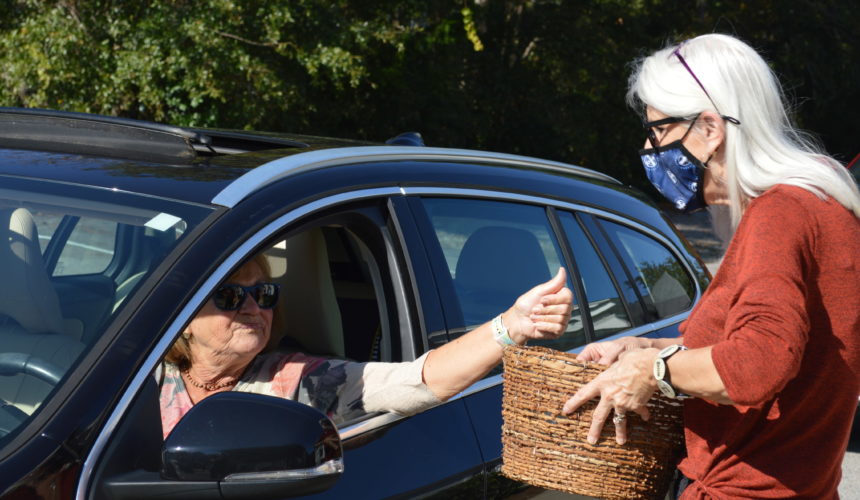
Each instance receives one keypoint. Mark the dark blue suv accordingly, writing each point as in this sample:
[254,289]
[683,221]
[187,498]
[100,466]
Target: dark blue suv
[117,231]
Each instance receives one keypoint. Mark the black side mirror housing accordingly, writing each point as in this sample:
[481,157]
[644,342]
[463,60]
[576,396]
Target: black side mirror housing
[237,445]
[233,433]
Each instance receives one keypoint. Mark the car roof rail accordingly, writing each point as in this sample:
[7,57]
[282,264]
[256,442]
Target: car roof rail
[291,165]
[85,133]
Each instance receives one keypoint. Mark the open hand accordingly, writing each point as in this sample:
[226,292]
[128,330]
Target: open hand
[626,386]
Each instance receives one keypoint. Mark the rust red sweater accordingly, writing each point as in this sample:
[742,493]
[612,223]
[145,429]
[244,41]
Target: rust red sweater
[783,317]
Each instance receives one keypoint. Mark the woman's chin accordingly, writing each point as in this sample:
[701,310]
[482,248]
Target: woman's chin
[250,340]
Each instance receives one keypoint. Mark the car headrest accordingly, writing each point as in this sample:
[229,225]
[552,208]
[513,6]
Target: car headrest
[497,264]
[27,295]
[308,303]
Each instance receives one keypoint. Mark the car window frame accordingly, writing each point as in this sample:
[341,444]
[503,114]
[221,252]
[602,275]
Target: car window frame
[360,219]
[633,300]
[587,211]
[593,239]
[629,267]
[450,303]
[222,271]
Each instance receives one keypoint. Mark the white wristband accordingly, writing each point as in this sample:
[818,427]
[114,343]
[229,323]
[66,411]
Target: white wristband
[500,333]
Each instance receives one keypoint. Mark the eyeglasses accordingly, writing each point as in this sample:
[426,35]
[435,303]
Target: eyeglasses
[652,136]
[231,297]
[677,53]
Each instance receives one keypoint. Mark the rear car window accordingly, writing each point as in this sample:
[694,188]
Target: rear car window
[605,305]
[662,281]
[494,252]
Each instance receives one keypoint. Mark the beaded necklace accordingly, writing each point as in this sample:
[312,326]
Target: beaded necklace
[210,386]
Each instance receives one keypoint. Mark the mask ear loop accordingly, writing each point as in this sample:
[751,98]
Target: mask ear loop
[711,156]
[705,165]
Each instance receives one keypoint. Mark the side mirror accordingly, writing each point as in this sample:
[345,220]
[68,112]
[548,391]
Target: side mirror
[242,446]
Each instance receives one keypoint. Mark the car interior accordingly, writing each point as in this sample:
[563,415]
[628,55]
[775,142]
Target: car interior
[33,327]
[329,302]
[484,290]
[54,303]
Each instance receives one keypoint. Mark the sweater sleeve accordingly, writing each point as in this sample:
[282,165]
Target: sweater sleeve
[345,390]
[767,325]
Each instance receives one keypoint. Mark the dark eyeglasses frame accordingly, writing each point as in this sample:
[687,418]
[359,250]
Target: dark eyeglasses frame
[652,136]
[264,294]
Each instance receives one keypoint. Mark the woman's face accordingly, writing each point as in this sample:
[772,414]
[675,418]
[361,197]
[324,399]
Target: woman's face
[714,189]
[223,337]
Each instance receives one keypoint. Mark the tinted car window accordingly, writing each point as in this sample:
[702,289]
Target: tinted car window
[661,279]
[89,249]
[494,252]
[66,278]
[608,314]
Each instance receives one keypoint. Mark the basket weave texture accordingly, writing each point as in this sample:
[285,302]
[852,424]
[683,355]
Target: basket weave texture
[544,448]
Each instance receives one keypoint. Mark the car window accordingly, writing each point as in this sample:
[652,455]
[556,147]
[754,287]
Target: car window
[335,305]
[331,295]
[494,252]
[46,224]
[66,279]
[607,310]
[89,249]
[660,278]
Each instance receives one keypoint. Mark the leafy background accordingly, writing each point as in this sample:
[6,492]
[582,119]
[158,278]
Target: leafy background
[543,78]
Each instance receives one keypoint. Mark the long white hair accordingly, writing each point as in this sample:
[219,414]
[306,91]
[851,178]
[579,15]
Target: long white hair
[764,149]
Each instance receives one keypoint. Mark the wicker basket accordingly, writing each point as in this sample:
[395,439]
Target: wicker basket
[544,448]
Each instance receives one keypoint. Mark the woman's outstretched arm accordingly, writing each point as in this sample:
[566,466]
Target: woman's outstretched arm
[541,313]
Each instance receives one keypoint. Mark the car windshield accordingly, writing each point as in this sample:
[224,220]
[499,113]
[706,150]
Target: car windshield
[70,259]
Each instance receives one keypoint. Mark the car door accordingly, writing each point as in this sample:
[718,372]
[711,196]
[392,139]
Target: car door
[381,315]
[346,282]
[488,251]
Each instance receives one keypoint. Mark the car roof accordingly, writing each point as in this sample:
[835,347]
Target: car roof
[204,166]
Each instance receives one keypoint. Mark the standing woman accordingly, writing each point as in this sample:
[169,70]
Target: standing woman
[769,358]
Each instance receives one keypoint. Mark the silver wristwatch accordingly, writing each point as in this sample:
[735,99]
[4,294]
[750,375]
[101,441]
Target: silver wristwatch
[661,372]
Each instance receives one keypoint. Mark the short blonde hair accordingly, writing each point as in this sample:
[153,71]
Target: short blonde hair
[180,352]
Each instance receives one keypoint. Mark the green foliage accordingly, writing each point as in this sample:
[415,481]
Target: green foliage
[537,77]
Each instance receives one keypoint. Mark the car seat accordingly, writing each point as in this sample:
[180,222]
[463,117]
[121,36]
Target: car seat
[496,265]
[31,322]
[308,305]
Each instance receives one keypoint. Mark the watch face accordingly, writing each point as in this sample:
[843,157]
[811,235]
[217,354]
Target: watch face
[659,369]
[666,389]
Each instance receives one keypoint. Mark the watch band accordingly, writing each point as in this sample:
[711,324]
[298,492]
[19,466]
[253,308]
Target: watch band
[500,332]
[661,372]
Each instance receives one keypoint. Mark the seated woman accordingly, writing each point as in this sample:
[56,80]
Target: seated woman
[220,351]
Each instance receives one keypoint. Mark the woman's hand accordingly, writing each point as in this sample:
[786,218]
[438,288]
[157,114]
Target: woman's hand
[626,386]
[541,313]
[607,352]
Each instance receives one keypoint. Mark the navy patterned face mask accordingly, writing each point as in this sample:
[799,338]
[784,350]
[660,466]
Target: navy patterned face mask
[677,174]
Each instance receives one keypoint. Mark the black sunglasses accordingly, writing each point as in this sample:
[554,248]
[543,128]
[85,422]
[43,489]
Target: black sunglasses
[652,136]
[231,297]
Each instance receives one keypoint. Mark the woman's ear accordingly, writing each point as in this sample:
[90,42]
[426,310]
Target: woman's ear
[713,130]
